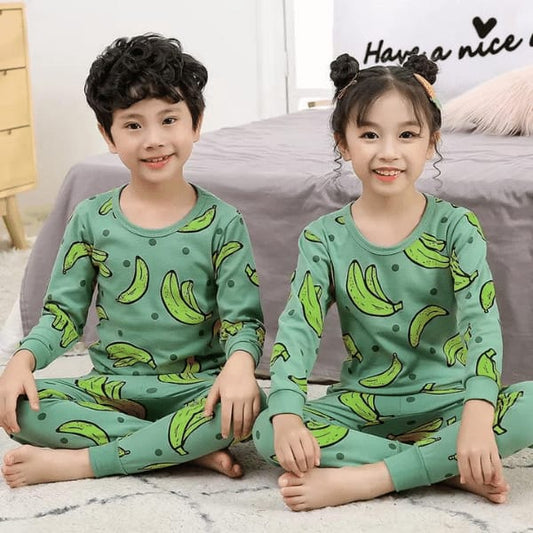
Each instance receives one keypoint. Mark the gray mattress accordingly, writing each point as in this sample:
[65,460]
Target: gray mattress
[281,174]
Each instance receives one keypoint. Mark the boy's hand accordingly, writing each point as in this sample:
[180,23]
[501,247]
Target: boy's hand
[238,392]
[477,453]
[17,380]
[296,448]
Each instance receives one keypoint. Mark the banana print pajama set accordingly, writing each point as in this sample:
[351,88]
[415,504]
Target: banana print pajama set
[422,335]
[173,304]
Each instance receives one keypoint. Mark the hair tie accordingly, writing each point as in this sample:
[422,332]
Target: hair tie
[429,90]
[345,88]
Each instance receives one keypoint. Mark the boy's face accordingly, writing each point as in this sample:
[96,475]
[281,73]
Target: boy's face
[153,138]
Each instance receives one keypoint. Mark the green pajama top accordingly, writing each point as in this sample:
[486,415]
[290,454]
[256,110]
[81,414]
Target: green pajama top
[172,300]
[417,318]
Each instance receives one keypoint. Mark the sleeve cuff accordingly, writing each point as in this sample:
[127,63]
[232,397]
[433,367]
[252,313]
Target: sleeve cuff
[244,346]
[40,352]
[285,402]
[482,388]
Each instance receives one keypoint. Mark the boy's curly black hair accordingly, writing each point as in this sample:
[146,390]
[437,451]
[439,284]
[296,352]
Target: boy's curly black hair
[144,66]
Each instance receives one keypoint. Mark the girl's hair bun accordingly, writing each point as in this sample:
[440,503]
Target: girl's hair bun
[421,64]
[343,70]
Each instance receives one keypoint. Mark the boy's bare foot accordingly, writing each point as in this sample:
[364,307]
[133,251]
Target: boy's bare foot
[29,465]
[493,493]
[220,461]
[324,487]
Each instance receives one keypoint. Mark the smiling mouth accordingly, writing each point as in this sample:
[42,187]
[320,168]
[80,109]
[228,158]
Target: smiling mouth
[387,175]
[156,159]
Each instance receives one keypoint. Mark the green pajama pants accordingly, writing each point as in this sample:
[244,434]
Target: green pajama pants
[130,424]
[417,441]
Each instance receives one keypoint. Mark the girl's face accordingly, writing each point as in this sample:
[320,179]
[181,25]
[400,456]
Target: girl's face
[389,150]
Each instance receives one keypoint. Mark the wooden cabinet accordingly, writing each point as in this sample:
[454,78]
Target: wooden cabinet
[17,148]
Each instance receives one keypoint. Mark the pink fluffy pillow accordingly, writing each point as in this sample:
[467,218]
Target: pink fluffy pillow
[499,106]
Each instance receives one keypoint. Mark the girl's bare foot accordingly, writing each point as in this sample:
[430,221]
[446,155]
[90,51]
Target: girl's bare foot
[29,465]
[221,461]
[324,487]
[493,493]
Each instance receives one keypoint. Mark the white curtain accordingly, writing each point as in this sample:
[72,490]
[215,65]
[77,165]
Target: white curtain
[472,40]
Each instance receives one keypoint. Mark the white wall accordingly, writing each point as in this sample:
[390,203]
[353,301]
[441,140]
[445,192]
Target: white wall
[239,41]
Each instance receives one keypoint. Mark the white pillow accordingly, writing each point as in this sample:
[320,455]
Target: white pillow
[500,106]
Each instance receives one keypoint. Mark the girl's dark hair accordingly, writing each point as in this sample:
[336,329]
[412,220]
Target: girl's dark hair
[356,90]
[145,66]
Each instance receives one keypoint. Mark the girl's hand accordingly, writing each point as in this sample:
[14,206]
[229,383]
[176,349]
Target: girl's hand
[296,449]
[17,380]
[477,453]
[238,392]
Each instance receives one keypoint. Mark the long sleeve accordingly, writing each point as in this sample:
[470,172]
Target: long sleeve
[239,307]
[68,295]
[300,326]
[477,313]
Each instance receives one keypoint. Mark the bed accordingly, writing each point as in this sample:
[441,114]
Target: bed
[281,173]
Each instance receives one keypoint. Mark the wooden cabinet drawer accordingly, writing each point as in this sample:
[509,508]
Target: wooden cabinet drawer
[17,167]
[14,105]
[12,54]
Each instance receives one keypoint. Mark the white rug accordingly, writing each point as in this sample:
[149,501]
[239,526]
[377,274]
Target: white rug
[191,500]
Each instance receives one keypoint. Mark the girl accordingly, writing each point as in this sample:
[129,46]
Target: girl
[420,399]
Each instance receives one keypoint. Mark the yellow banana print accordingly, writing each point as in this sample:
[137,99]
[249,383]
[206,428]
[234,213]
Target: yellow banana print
[260,333]
[366,293]
[126,354]
[101,313]
[187,377]
[252,275]
[475,222]
[432,242]
[487,296]
[95,406]
[455,350]
[486,366]
[228,249]
[385,378]
[363,405]
[76,251]
[106,207]
[228,329]
[461,279]
[429,388]
[340,220]
[504,403]
[156,466]
[85,429]
[107,393]
[325,434]
[138,285]
[62,322]
[201,222]
[180,303]
[46,394]
[310,236]
[279,350]
[419,433]
[300,382]
[424,252]
[311,305]
[184,422]
[420,321]
[351,348]
[314,412]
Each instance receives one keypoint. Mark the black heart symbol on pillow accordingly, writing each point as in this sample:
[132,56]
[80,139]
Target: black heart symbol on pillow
[483,28]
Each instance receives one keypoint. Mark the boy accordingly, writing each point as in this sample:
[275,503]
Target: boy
[180,329]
